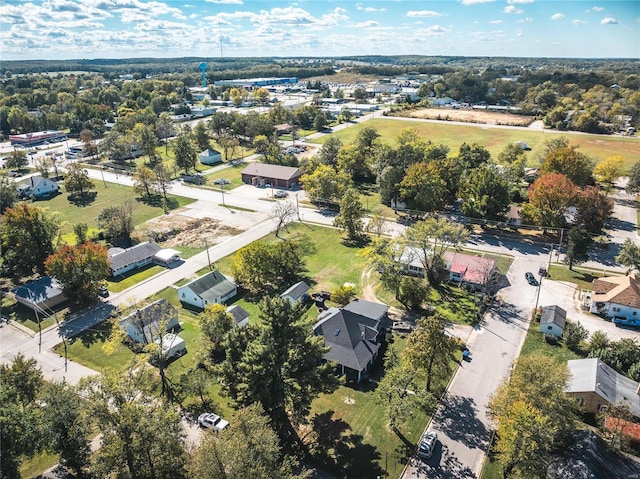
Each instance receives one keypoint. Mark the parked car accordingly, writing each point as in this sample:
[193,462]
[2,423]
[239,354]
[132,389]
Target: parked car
[531,278]
[212,421]
[281,194]
[196,179]
[427,444]
[221,181]
[103,291]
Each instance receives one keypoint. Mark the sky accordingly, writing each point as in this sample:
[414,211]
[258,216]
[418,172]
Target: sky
[88,29]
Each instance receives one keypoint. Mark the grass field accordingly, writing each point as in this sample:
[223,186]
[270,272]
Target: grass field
[583,278]
[111,195]
[232,173]
[598,147]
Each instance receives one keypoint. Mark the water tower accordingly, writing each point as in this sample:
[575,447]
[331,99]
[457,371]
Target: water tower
[203,69]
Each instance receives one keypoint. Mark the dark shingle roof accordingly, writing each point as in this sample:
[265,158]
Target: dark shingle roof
[350,337]
[296,291]
[146,319]
[121,258]
[211,286]
[368,309]
[41,289]
[238,313]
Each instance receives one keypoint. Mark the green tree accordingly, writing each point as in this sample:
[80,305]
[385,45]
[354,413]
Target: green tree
[165,129]
[325,184]
[248,448]
[423,188]
[351,213]
[8,193]
[396,390]
[328,153]
[79,270]
[27,234]
[485,194]
[284,212]
[80,230]
[472,156]
[143,180]
[201,136]
[629,255]
[573,334]
[146,139]
[353,160]
[578,244]
[343,294]
[185,152]
[430,349]
[77,182]
[162,182]
[17,159]
[264,268]
[215,322]
[432,238]
[598,340]
[141,436]
[65,428]
[117,222]
[633,183]
[278,363]
[412,292]
[381,256]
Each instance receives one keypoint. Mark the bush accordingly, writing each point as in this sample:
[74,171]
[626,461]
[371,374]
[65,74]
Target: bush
[574,334]
[412,292]
[343,294]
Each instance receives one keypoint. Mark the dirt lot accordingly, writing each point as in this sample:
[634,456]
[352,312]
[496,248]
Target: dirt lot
[470,116]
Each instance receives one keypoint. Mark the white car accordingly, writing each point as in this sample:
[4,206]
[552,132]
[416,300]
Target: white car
[427,444]
[212,421]
[281,194]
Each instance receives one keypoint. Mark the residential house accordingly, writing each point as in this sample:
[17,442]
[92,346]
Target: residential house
[596,385]
[38,188]
[444,101]
[298,293]
[145,325]
[261,174]
[123,260]
[553,320]
[40,294]
[212,288]
[171,345]
[616,297]
[210,157]
[354,335]
[468,270]
[283,129]
[239,314]
[513,216]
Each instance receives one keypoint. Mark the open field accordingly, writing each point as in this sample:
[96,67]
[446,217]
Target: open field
[472,116]
[598,147]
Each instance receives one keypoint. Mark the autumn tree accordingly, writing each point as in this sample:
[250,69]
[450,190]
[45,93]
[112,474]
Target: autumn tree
[278,363]
[431,239]
[549,197]
[28,235]
[568,161]
[485,194]
[8,193]
[143,180]
[633,183]
[608,171]
[429,348]
[422,187]
[79,269]
[349,219]
[593,209]
[215,322]
[325,184]
[629,255]
[77,182]
[117,222]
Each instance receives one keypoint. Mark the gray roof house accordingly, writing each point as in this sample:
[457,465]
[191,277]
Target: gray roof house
[299,292]
[210,157]
[124,260]
[594,385]
[354,335]
[144,325]
[38,188]
[212,288]
[41,293]
[239,314]
[553,320]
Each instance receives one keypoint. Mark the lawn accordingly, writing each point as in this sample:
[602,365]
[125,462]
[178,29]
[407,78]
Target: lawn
[111,195]
[582,277]
[231,173]
[126,280]
[598,147]
[33,467]
[26,316]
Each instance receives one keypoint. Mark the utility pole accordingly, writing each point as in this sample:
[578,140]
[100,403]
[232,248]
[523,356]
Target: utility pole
[206,245]
[297,207]
[222,191]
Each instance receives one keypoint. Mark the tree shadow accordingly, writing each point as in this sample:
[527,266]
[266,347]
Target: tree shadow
[359,242]
[458,419]
[442,465]
[340,451]
[82,199]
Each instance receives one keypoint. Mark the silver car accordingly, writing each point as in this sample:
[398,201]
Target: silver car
[427,444]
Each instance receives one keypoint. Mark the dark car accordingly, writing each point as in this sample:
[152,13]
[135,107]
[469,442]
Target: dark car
[103,291]
[531,278]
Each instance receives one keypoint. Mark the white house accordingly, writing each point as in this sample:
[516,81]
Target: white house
[172,345]
[212,288]
[299,292]
[210,157]
[513,216]
[616,297]
[145,325]
[445,100]
[553,320]
[124,260]
[38,188]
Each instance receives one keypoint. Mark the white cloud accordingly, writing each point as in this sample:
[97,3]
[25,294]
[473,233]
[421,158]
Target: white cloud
[373,9]
[475,2]
[608,21]
[578,22]
[423,13]
[597,9]
[230,2]
[367,24]
[495,21]
[519,1]
[557,16]
[513,9]
[434,30]
[525,20]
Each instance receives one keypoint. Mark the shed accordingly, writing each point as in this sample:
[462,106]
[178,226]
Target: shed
[172,345]
[212,288]
[553,320]
[239,314]
[298,293]
[210,157]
